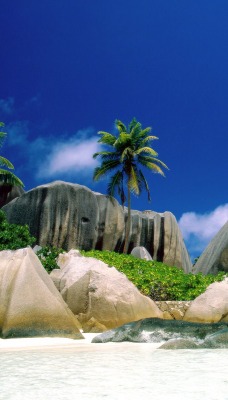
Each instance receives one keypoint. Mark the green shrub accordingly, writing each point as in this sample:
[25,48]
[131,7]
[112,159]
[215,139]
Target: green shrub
[13,236]
[155,279]
[47,256]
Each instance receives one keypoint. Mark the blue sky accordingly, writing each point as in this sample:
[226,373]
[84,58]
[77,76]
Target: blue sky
[70,68]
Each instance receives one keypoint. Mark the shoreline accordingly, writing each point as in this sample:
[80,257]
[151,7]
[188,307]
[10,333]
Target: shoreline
[42,342]
[61,343]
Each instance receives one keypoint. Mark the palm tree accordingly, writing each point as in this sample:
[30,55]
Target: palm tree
[129,150]
[7,178]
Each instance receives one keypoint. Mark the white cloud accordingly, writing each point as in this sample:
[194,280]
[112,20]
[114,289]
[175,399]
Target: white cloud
[199,229]
[70,156]
[7,105]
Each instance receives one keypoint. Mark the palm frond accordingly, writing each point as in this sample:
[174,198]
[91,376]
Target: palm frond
[135,129]
[145,184]
[126,154]
[123,140]
[138,135]
[5,163]
[133,181]
[105,155]
[132,124]
[148,139]
[2,138]
[144,133]
[142,159]
[116,182]
[8,178]
[107,138]
[153,167]
[105,168]
[147,150]
[120,126]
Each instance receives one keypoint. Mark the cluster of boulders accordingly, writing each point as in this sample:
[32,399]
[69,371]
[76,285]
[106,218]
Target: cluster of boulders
[86,294]
[72,216]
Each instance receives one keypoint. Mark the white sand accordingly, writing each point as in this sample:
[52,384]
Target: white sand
[41,342]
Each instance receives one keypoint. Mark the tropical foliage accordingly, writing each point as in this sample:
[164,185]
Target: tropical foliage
[47,256]
[128,154]
[157,280]
[13,236]
[154,279]
[7,178]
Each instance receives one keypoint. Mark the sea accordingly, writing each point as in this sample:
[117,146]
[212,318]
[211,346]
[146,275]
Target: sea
[66,369]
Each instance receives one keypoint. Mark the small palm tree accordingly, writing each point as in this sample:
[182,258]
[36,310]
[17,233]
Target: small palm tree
[7,178]
[130,149]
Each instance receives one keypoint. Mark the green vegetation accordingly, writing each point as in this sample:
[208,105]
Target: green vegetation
[155,279]
[47,256]
[152,278]
[7,178]
[12,236]
[129,150]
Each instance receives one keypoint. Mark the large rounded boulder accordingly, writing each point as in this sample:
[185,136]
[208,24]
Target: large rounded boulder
[159,233]
[93,290]
[211,306]
[215,257]
[70,216]
[30,304]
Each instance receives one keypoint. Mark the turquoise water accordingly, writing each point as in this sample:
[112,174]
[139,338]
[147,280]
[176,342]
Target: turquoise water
[112,371]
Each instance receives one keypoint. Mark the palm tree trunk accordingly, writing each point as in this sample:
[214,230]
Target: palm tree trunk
[128,224]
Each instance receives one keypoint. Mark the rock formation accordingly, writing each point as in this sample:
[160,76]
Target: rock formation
[72,216]
[30,304]
[215,256]
[154,330]
[211,306]
[91,289]
[217,340]
[141,252]
[8,193]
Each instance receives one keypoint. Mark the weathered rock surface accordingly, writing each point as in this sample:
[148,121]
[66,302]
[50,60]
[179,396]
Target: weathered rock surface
[93,326]
[160,235]
[217,340]
[211,306]
[173,309]
[72,216]
[215,256]
[9,193]
[92,289]
[142,253]
[30,304]
[174,344]
[154,330]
